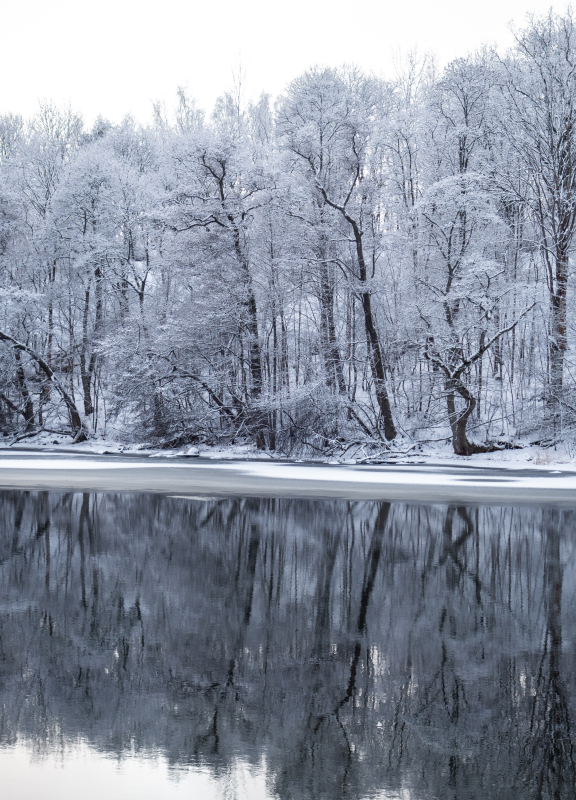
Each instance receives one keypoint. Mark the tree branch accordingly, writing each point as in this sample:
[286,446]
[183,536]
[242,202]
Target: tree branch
[78,429]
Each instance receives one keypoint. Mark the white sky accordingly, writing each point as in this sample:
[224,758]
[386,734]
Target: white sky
[115,57]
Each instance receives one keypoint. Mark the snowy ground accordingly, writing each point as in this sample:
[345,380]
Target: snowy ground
[528,457]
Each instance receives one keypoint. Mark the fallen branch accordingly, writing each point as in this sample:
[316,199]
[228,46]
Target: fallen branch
[388,453]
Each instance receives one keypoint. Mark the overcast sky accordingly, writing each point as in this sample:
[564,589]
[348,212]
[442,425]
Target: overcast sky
[115,57]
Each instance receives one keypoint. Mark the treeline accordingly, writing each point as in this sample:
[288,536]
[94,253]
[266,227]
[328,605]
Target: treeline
[361,260]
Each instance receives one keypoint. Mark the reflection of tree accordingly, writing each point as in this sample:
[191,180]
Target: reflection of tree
[441,709]
[550,768]
[359,646]
[248,547]
[447,685]
[325,752]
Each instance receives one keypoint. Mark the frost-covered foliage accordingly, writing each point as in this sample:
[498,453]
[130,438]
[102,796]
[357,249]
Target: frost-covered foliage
[363,259]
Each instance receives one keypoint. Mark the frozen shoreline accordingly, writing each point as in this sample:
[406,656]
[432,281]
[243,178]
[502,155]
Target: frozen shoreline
[208,477]
[531,457]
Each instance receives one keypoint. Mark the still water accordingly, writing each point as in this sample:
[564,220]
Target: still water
[162,647]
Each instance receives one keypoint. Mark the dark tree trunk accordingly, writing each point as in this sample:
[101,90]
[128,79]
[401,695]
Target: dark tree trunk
[459,419]
[28,411]
[373,343]
[331,351]
[88,363]
[256,416]
[377,364]
[372,340]
[85,375]
[75,420]
[558,337]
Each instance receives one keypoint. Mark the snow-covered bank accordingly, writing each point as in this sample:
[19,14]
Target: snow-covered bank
[526,456]
[203,477]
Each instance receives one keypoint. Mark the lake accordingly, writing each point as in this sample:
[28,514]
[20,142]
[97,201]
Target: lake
[155,646]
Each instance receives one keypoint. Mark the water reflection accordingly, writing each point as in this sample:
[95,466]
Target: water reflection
[339,649]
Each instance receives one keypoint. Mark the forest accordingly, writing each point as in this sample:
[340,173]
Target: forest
[357,260]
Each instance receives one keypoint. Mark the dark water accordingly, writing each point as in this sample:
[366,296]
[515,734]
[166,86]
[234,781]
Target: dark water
[157,647]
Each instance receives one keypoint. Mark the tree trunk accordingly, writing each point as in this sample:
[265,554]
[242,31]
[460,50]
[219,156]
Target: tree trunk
[331,351]
[85,375]
[372,340]
[28,412]
[75,420]
[256,416]
[459,420]
[377,364]
[88,364]
[558,337]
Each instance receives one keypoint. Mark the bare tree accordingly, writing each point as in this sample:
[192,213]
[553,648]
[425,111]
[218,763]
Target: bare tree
[539,119]
[325,123]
